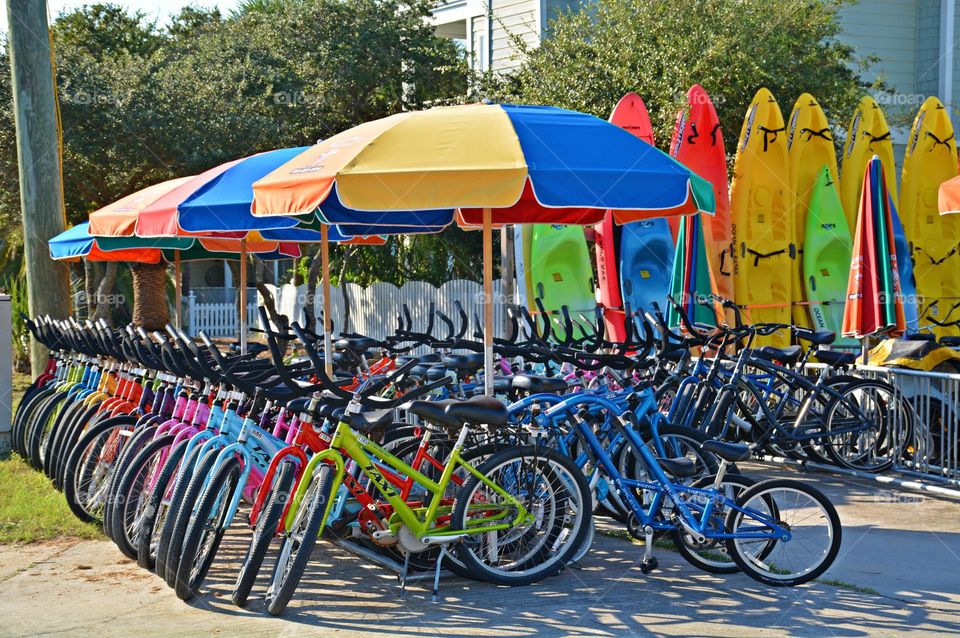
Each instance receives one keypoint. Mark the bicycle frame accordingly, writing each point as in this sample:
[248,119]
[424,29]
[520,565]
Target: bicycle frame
[345,442]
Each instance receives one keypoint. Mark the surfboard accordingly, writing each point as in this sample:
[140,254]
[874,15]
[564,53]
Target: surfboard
[827,252]
[698,144]
[561,271]
[809,149]
[930,160]
[646,263]
[630,114]
[761,224]
[867,135]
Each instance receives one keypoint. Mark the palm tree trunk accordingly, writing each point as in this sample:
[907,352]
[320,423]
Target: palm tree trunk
[150,296]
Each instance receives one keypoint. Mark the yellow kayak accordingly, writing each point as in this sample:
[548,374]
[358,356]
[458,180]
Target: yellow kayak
[809,149]
[931,159]
[760,210]
[867,135]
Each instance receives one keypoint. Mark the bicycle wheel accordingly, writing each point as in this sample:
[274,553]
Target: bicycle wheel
[130,500]
[299,540]
[169,507]
[90,468]
[155,512]
[182,513]
[25,413]
[265,531]
[807,515]
[868,427]
[557,498]
[206,528]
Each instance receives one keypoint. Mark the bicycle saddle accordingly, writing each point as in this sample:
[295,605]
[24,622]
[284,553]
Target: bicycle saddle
[433,411]
[536,384]
[952,342]
[788,356]
[681,468]
[819,337]
[464,362]
[481,410]
[369,422]
[730,452]
[834,358]
[357,345]
[431,357]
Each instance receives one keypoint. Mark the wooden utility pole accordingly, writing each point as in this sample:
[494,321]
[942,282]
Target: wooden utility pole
[38,153]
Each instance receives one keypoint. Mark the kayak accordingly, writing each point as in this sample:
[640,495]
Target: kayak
[761,224]
[809,149]
[826,254]
[646,263]
[931,159]
[867,135]
[630,114]
[561,271]
[698,144]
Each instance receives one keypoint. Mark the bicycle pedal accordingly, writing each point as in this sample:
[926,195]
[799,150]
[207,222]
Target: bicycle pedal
[649,565]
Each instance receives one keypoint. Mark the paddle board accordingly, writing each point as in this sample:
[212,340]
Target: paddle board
[698,144]
[867,135]
[826,255]
[809,149]
[561,271]
[930,160]
[630,114]
[761,224]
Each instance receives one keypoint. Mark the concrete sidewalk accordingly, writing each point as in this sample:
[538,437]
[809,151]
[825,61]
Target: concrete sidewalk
[898,574]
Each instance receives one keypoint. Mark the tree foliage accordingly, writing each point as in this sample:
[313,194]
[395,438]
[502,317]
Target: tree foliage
[141,104]
[659,48]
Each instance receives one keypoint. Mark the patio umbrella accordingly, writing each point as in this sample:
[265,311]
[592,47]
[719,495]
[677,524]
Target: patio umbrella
[692,278]
[874,304]
[948,196]
[494,164]
[215,203]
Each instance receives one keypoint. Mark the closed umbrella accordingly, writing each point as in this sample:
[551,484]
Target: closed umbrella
[874,304]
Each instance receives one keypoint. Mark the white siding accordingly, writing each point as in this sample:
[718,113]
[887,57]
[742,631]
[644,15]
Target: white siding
[513,19]
[886,29]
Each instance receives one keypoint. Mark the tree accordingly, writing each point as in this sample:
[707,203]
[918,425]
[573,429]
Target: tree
[659,48]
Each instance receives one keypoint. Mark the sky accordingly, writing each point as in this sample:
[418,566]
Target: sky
[158,9]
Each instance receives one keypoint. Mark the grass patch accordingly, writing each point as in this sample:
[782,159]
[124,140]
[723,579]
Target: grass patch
[833,582]
[32,510]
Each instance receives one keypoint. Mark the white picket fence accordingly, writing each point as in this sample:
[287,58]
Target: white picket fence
[374,310]
[216,319]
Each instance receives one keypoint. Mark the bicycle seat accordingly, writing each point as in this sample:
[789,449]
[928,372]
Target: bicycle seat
[464,363]
[370,422]
[835,358]
[730,452]
[681,468]
[788,355]
[674,354]
[819,337]
[951,342]
[436,373]
[433,411]
[482,410]
[431,357]
[536,384]
[357,345]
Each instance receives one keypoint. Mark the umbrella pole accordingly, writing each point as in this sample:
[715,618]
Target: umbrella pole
[327,327]
[178,307]
[243,296]
[865,350]
[488,301]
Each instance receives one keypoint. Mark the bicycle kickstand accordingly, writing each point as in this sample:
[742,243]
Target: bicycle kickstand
[649,561]
[404,572]
[436,576]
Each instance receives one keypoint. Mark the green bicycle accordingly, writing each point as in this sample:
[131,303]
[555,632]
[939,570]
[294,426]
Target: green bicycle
[519,516]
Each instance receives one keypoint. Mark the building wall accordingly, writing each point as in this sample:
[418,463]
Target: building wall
[514,20]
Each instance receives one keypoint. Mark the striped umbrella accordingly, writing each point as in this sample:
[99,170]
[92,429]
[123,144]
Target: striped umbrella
[492,164]
[874,304]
